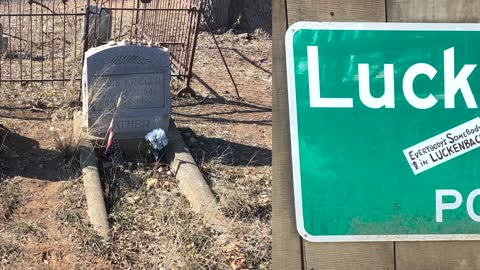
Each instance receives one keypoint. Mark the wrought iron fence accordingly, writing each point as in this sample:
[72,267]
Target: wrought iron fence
[45,40]
[171,23]
[40,40]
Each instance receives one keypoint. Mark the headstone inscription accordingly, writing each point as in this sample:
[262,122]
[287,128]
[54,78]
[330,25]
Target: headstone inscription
[99,26]
[141,74]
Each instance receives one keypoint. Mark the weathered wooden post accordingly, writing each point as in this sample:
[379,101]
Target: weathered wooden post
[287,244]
[289,250]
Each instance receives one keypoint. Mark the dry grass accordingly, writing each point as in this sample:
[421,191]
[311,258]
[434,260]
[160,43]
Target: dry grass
[240,177]
[24,230]
[67,142]
[10,198]
[9,248]
[72,213]
[96,99]
[156,228]
[3,136]
[244,194]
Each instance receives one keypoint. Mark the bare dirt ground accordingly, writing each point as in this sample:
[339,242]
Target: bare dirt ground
[43,221]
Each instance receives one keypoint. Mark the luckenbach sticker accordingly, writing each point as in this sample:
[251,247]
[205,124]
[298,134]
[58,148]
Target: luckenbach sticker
[444,147]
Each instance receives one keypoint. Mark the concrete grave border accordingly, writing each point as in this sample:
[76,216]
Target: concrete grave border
[96,209]
[190,181]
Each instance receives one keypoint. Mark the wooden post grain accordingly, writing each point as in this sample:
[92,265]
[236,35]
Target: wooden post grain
[287,243]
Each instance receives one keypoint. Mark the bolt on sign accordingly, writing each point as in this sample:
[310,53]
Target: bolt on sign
[385,128]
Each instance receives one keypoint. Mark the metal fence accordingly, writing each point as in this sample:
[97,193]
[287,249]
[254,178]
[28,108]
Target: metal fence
[41,40]
[171,23]
[45,40]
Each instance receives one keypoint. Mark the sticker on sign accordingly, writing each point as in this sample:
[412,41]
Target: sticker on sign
[444,147]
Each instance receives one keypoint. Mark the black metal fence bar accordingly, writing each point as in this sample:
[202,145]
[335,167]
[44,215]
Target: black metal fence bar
[37,80]
[150,9]
[40,14]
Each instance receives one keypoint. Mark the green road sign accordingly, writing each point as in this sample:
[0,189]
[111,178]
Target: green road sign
[384,130]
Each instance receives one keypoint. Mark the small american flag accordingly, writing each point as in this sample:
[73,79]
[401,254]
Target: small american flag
[112,147]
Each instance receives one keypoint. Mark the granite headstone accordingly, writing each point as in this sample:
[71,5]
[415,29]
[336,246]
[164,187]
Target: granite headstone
[141,74]
[99,26]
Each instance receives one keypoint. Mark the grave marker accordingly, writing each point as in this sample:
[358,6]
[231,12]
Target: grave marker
[142,74]
[99,26]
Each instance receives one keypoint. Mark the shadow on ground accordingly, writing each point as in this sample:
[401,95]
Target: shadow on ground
[253,63]
[205,149]
[220,99]
[245,111]
[23,156]
[18,112]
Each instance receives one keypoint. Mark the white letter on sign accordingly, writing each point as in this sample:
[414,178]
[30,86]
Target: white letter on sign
[470,210]
[453,84]
[388,98]
[410,75]
[440,205]
[314,84]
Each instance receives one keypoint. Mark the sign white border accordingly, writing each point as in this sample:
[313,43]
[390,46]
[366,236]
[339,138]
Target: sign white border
[294,125]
